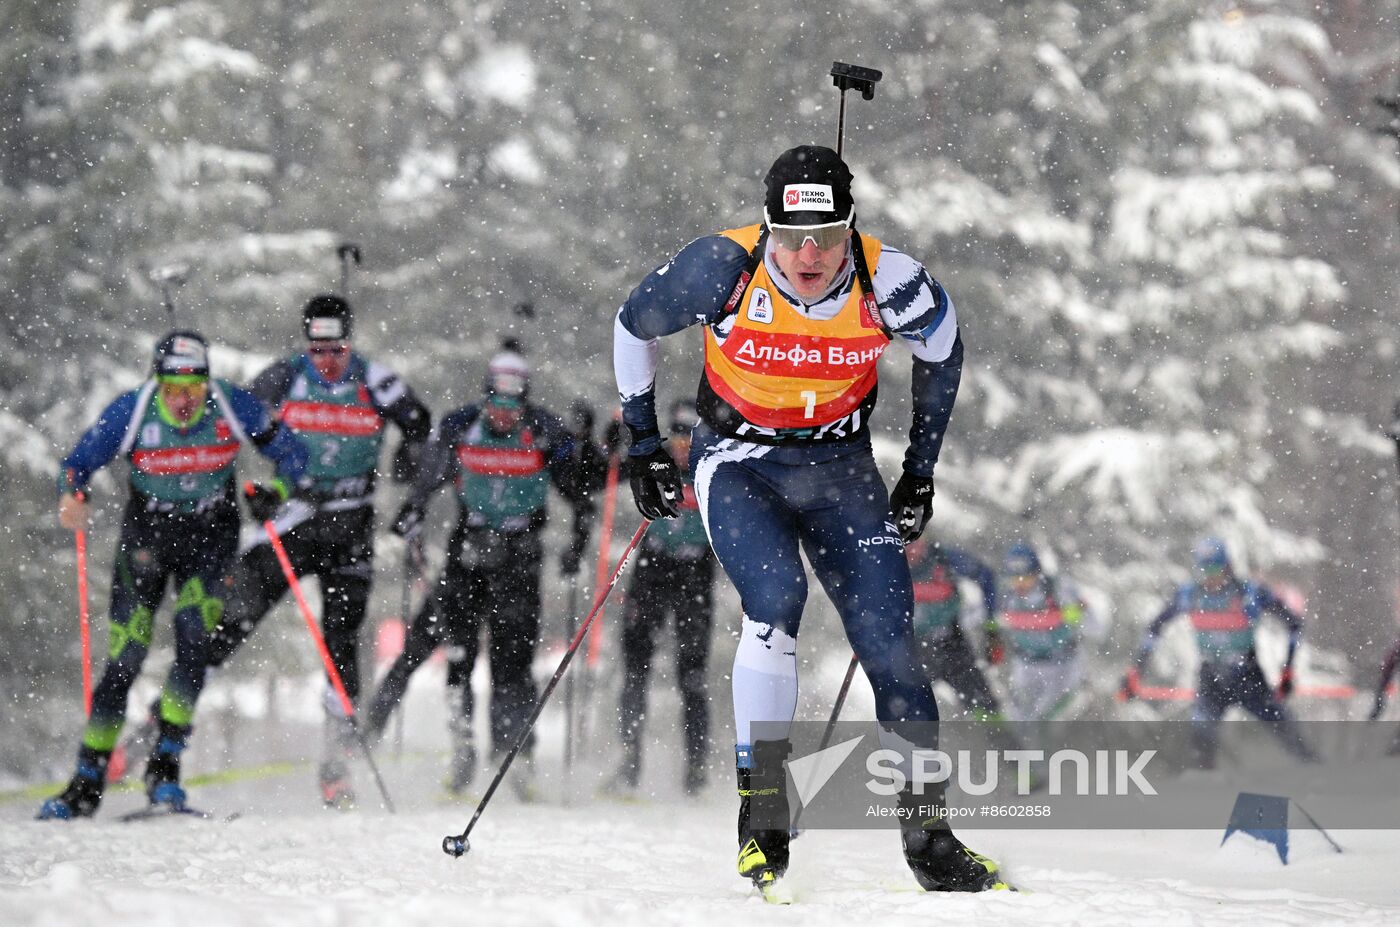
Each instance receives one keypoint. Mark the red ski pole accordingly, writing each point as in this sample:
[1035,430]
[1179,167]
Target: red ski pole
[595,641]
[84,624]
[321,648]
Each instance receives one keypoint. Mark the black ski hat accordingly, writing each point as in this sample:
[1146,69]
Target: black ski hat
[181,353]
[327,317]
[808,185]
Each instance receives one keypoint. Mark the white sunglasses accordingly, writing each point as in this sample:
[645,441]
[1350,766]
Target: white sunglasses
[825,237]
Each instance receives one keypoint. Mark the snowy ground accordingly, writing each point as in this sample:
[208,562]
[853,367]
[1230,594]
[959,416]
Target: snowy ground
[663,860]
[637,864]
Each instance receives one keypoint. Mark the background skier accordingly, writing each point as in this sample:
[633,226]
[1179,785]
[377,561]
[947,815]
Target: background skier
[1224,610]
[1045,622]
[181,432]
[500,457]
[339,403]
[944,650]
[673,580]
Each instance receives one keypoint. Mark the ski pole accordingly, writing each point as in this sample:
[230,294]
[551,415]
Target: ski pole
[412,574]
[570,628]
[334,674]
[84,623]
[831,722]
[582,422]
[840,701]
[456,845]
[605,549]
[595,642]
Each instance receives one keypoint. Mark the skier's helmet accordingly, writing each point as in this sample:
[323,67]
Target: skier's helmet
[508,374]
[1021,560]
[684,416]
[182,353]
[1210,557]
[327,317]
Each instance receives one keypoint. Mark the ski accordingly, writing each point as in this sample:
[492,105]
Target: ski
[449,797]
[151,812]
[772,890]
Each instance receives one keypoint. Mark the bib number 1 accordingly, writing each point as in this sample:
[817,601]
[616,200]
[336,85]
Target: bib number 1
[811,396]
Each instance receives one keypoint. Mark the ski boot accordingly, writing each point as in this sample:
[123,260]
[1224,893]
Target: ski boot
[939,860]
[333,775]
[337,791]
[764,817]
[162,778]
[84,792]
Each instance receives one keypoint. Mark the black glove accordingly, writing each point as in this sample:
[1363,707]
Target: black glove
[409,522]
[1377,707]
[264,501]
[656,484]
[612,437]
[911,504]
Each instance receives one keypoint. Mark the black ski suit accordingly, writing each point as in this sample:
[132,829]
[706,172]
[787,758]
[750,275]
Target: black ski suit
[492,577]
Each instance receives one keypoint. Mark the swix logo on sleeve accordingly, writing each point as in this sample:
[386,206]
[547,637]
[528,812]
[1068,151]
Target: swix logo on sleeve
[761,307]
[808,197]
